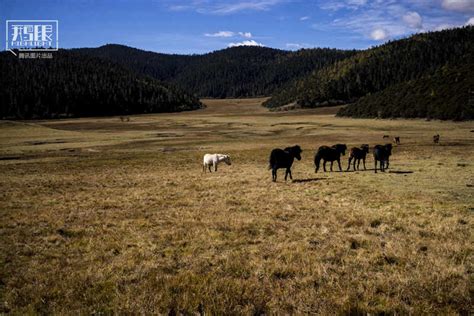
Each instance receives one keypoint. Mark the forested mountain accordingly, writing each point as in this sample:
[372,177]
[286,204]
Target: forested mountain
[233,72]
[73,84]
[375,69]
[448,94]
[394,79]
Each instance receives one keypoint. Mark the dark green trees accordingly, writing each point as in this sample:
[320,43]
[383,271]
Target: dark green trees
[72,84]
[379,68]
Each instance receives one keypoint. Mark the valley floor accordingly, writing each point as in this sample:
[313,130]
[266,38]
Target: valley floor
[100,215]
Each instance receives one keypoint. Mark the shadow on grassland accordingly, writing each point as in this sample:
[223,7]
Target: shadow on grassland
[387,171]
[308,180]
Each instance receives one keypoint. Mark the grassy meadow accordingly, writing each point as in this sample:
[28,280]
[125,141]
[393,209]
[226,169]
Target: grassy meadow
[103,216]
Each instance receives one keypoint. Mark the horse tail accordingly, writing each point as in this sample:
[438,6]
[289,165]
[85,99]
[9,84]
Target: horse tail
[271,161]
[317,160]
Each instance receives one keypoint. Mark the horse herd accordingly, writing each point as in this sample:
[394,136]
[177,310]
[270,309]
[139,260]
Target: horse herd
[284,158]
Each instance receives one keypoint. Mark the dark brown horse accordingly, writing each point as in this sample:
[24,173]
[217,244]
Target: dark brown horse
[358,154]
[329,154]
[396,139]
[284,159]
[382,154]
[436,139]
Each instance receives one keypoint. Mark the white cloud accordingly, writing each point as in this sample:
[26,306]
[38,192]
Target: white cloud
[413,20]
[376,24]
[229,34]
[470,21]
[220,34]
[444,26]
[230,7]
[458,5]
[245,34]
[245,43]
[293,46]
[379,35]
[304,18]
[390,19]
[357,2]
[296,46]
[179,7]
[336,5]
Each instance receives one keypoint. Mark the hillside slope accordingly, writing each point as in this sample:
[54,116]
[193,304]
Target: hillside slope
[233,72]
[448,94]
[74,85]
[378,68]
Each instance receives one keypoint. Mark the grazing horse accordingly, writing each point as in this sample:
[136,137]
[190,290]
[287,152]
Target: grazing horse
[382,154]
[358,154]
[436,139]
[213,160]
[284,159]
[385,136]
[329,154]
[396,139]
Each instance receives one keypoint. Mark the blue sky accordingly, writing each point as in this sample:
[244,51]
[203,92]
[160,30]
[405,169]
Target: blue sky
[199,26]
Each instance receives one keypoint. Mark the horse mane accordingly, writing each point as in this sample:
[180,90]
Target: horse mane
[340,147]
[293,148]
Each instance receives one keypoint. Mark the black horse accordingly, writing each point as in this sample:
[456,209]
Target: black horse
[284,159]
[382,154]
[329,154]
[358,154]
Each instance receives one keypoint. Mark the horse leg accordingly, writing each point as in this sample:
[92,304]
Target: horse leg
[375,163]
[331,165]
[363,160]
[274,174]
[349,163]
[358,164]
[339,163]
[215,167]
[286,173]
[317,165]
[289,171]
[209,166]
[388,162]
[324,165]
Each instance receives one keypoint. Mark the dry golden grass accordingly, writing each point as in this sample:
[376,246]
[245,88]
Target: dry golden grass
[99,215]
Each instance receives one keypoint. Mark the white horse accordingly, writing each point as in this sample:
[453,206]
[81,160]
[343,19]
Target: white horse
[213,160]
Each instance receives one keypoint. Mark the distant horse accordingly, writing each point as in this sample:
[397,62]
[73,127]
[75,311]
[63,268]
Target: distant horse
[358,154]
[213,160]
[284,159]
[382,154]
[329,154]
[436,139]
[396,140]
[385,136]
